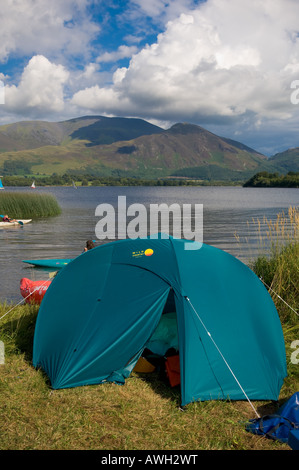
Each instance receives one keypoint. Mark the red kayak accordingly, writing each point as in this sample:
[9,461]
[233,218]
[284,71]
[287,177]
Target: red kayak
[33,291]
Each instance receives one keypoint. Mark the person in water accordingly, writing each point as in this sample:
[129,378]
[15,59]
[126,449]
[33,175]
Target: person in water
[89,245]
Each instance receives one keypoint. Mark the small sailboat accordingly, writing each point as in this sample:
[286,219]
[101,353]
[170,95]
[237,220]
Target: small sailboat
[74,185]
[33,185]
[1,185]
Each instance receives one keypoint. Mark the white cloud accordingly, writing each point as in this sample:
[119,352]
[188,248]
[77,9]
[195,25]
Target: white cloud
[122,52]
[40,89]
[217,62]
[45,27]
[224,60]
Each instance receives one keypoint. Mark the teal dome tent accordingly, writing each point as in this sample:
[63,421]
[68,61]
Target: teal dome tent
[102,309]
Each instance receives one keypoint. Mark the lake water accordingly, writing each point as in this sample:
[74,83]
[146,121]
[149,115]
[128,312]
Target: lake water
[227,211]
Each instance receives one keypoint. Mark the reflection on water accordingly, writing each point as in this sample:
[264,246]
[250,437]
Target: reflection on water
[228,214]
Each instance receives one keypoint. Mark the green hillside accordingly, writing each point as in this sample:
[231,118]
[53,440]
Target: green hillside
[95,130]
[105,130]
[103,146]
[286,161]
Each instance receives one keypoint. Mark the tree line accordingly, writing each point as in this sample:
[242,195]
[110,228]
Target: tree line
[90,180]
[261,180]
[264,179]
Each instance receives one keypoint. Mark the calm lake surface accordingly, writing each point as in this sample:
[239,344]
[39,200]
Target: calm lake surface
[227,211]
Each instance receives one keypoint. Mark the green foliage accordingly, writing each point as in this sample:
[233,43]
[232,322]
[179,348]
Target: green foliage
[264,179]
[16,167]
[28,206]
[279,266]
[94,180]
[212,172]
[280,271]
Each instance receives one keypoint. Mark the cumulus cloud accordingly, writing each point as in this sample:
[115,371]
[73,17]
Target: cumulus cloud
[46,27]
[215,63]
[224,60]
[122,52]
[40,89]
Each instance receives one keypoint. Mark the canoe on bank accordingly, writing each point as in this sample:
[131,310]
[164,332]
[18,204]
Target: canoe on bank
[48,263]
[33,291]
[12,224]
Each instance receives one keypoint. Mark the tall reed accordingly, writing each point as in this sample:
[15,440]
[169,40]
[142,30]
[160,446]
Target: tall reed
[278,266]
[28,205]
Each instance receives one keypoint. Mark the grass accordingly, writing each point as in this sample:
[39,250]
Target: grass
[145,413]
[28,205]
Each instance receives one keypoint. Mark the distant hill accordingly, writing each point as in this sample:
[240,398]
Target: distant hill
[29,135]
[95,130]
[105,130]
[105,146]
[285,161]
[185,149]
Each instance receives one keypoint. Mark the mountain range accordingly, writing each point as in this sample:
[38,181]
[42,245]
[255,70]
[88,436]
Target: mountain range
[104,146]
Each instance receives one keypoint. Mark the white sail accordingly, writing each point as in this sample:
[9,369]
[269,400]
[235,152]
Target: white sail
[33,185]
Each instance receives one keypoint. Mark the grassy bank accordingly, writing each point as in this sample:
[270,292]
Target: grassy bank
[28,206]
[278,265]
[143,414]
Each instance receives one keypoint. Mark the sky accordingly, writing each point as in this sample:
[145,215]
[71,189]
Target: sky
[230,66]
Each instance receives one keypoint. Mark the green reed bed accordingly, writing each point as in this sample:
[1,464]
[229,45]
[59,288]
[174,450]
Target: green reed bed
[28,206]
[278,266]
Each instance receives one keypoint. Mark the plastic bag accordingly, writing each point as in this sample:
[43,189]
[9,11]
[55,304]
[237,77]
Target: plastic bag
[278,426]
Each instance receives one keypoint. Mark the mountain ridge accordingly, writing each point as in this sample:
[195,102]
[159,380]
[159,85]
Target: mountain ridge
[128,146]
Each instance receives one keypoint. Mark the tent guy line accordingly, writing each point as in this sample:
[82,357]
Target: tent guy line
[278,296]
[23,300]
[222,356]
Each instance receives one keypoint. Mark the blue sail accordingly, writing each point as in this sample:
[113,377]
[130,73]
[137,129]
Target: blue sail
[1,185]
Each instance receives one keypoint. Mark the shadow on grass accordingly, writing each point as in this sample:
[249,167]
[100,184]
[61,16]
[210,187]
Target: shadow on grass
[159,382]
